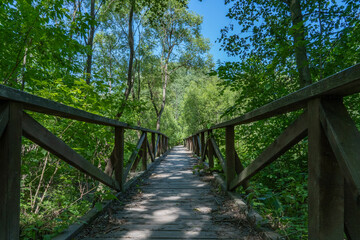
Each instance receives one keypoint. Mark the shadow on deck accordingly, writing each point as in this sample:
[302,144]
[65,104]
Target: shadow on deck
[172,203]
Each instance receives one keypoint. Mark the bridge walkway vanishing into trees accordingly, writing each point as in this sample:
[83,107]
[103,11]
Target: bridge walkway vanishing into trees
[172,203]
[332,136]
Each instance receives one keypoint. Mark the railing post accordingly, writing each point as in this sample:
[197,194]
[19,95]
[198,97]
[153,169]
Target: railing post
[210,150]
[202,145]
[159,146]
[144,154]
[153,144]
[119,156]
[230,155]
[325,182]
[10,170]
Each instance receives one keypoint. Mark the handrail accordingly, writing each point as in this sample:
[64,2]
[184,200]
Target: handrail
[46,106]
[15,123]
[333,152]
[344,83]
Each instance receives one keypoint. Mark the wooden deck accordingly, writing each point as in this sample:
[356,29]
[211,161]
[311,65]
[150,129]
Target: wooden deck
[174,203]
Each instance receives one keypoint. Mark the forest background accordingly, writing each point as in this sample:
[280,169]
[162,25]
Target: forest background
[145,62]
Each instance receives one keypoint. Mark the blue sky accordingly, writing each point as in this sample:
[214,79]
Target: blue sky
[214,19]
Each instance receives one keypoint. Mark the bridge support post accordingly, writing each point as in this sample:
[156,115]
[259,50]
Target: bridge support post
[325,183]
[210,150]
[10,170]
[230,155]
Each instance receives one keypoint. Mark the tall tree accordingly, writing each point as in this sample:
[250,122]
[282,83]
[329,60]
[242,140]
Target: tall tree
[182,45]
[289,35]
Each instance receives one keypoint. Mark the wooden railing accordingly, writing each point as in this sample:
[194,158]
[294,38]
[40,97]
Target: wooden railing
[15,123]
[333,152]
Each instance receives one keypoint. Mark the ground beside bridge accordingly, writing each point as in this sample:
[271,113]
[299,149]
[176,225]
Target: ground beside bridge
[172,202]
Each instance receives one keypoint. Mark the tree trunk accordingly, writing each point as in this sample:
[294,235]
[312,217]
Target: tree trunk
[166,77]
[130,81]
[299,42]
[90,42]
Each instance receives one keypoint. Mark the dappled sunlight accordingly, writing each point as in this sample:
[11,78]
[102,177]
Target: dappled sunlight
[173,204]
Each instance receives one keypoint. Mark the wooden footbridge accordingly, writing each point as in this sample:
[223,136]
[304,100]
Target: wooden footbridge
[333,152]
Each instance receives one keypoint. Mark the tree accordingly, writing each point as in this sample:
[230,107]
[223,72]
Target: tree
[181,46]
[267,28]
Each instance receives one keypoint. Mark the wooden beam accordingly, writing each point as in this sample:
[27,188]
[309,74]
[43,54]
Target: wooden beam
[351,214]
[42,105]
[291,136]
[133,157]
[35,132]
[218,154]
[4,117]
[344,138]
[325,183]
[150,152]
[10,172]
[230,155]
[344,83]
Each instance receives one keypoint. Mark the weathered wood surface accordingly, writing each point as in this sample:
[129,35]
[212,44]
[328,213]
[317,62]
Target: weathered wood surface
[10,167]
[45,139]
[42,105]
[344,138]
[4,117]
[133,157]
[218,154]
[325,183]
[173,203]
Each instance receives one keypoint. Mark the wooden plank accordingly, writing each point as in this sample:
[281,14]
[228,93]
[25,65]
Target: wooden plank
[35,132]
[133,157]
[218,154]
[10,172]
[344,138]
[292,135]
[351,214]
[344,83]
[325,183]
[151,154]
[42,105]
[4,117]
[230,155]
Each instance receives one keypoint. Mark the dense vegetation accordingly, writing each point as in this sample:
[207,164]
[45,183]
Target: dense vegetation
[146,63]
